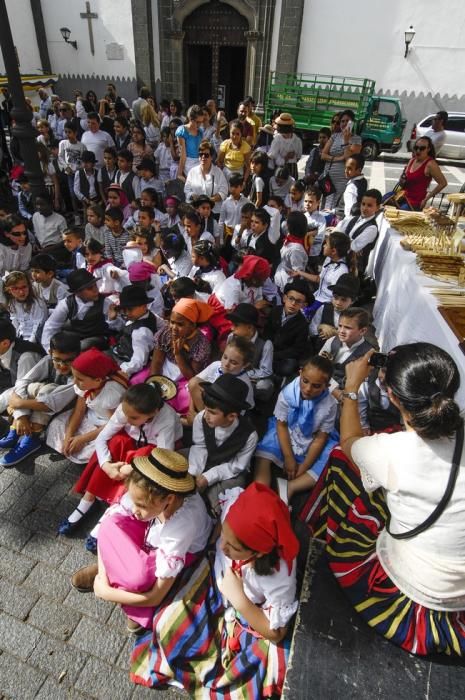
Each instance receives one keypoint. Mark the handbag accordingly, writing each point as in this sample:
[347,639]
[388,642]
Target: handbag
[441,506]
[325,184]
[397,197]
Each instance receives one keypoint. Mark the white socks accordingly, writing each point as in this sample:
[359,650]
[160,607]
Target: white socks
[82,508]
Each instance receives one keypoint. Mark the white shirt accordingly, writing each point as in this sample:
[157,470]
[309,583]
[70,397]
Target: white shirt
[438,138]
[212,183]
[281,146]
[28,322]
[329,275]
[198,453]
[56,400]
[69,155]
[91,179]
[163,157]
[365,238]
[164,430]
[318,221]
[293,257]
[48,229]
[213,371]
[182,265]
[97,142]
[187,530]
[430,567]
[232,292]
[351,194]
[274,594]
[142,346]
[214,278]
[316,320]
[60,290]
[230,214]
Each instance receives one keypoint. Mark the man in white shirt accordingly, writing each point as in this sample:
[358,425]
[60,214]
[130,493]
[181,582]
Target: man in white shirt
[96,140]
[437,133]
[138,104]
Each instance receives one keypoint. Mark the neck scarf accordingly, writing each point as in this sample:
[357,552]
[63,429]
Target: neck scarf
[301,410]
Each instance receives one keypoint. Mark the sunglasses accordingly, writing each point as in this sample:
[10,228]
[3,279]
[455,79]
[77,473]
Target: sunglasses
[18,234]
[204,155]
[421,148]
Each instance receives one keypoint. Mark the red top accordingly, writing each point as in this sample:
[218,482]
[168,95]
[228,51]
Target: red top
[417,183]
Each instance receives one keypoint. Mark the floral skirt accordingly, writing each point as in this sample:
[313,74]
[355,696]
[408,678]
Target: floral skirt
[192,645]
[350,519]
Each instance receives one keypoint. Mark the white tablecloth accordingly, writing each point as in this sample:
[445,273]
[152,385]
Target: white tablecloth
[405,310]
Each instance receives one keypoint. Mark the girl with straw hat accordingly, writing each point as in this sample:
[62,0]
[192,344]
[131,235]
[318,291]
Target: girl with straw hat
[224,633]
[159,527]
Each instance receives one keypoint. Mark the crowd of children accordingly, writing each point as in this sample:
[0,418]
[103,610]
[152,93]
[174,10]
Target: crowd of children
[192,359]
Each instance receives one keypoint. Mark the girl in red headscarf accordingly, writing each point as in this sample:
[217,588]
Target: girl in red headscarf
[99,386]
[244,286]
[248,605]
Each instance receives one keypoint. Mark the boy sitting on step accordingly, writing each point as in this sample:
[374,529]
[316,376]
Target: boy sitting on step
[44,391]
[324,323]
[224,440]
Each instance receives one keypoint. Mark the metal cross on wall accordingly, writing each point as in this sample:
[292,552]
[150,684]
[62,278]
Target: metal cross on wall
[89,16]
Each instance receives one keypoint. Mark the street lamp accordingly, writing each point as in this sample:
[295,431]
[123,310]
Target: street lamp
[409,34]
[21,113]
[66,33]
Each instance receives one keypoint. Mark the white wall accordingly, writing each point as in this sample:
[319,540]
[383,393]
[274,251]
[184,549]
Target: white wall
[24,37]
[366,39]
[275,39]
[114,24]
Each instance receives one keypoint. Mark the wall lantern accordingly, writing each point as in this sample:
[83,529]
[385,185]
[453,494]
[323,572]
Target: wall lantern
[409,34]
[66,33]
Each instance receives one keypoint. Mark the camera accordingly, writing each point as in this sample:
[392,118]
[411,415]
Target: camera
[378,360]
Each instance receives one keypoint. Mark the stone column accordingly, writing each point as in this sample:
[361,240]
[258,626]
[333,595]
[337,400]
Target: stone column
[289,35]
[143,43]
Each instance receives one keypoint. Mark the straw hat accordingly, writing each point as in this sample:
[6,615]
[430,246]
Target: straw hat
[267,129]
[285,119]
[166,385]
[167,469]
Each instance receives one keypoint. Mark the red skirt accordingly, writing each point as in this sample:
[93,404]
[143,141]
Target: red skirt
[93,479]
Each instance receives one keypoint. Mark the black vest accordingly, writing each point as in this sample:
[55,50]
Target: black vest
[264,248]
[217,454]
[84,183]
[364,254]
[8,377]
[328,314]
[339,367]
[94,322]
[106,179]
[361,187]
[127,184]
[380,418]
[124,350]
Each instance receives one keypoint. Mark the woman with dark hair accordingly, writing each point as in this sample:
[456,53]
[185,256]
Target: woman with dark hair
[340,146]
[394,513]
[174,111]
[138,146]
[190,136]
[91,103]
[420,170]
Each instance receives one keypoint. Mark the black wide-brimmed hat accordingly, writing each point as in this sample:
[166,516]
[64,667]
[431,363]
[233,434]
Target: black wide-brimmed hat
[133,296]
[346,286]
[229,390]
[80,279]
[244,313]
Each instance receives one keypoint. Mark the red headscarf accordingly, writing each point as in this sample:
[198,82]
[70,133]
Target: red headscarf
[94,363]
[123,199]
[260,520]
[253,266]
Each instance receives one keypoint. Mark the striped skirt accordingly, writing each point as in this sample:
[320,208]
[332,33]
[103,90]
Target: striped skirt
[192,646]
[351,519]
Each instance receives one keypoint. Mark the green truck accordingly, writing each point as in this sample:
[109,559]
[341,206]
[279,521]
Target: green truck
[313,99]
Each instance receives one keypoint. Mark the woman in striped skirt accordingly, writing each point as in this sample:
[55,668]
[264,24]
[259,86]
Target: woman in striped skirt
[392,509]
[340,146]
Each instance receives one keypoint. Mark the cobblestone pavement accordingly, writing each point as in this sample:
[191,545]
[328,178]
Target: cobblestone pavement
[55,643]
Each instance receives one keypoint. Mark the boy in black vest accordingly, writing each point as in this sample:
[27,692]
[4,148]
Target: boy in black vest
[363,231]
[125,174]
[85,180]
[223,439]
[349,344]
[45,390]
[357,184]
[325,322]
[84,312]
[245,319]
[287,328]
[135,343]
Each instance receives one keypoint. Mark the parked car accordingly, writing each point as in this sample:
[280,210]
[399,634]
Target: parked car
[454,146]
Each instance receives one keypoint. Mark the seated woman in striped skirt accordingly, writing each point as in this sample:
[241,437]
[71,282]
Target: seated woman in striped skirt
[394,505]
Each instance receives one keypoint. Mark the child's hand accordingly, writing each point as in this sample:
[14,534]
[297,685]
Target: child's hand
[290,467]
[23,426]
[232,587]
[101,585]
[125,470]
[112,469]
[15,401]
[114,274]
[326,331]
[201,483]
[74,444]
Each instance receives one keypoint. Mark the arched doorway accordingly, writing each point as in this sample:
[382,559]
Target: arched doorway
[215,50]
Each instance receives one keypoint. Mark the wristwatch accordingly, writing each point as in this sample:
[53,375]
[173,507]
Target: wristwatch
[350,395]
